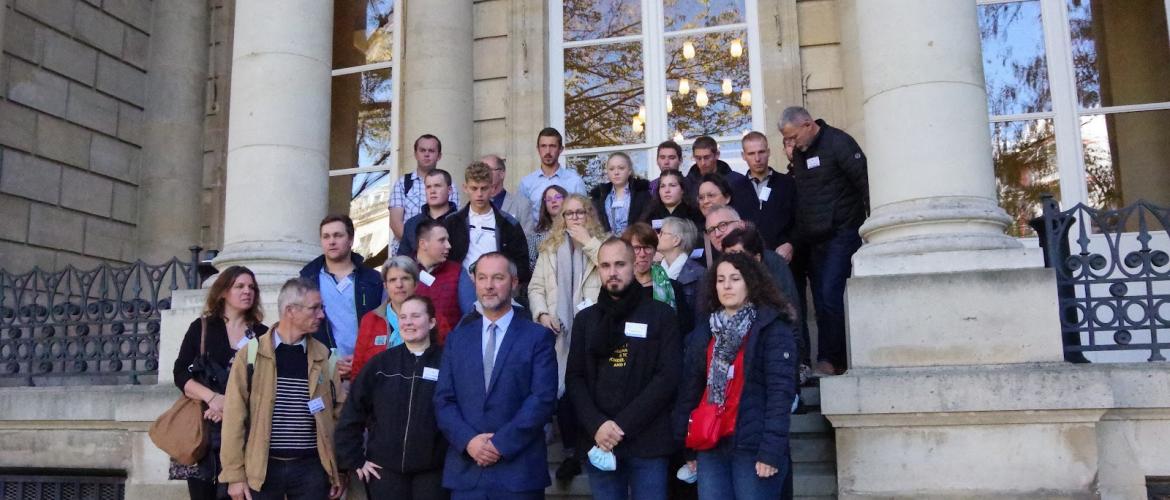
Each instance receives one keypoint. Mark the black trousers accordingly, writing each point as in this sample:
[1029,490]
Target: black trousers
[417,486]
[298,479]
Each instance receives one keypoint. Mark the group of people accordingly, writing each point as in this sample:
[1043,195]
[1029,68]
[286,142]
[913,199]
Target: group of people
[660,323]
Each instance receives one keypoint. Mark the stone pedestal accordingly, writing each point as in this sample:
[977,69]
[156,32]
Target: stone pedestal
[278,136]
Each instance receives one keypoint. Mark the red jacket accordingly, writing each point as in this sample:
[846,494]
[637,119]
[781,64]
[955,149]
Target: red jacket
[372,326]
[444,293]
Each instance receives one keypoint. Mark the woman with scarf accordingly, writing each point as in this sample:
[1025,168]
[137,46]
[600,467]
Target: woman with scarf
[652,277]
[230,317]
[564,282]
[738,385]
[379,329]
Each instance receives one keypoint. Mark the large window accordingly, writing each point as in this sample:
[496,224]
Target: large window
[1079,101]
[637,72]
[364,117]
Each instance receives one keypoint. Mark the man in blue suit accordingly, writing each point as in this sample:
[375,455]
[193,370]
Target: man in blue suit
[497,388]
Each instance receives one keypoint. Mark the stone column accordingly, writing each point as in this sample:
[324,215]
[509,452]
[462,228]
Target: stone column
[170,187]
[278,136]
[437,95]
[956,385]
[3,15]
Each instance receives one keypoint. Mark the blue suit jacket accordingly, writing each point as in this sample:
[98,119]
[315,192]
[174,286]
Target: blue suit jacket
[521,400]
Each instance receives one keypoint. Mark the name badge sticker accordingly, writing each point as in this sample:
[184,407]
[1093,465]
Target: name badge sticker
[636,330]
[584,303]
[431,374]
[426,278]
[697,253]
[656,224]
[381,339]
[765,193]
[814,162]
[316,405]
[730,372]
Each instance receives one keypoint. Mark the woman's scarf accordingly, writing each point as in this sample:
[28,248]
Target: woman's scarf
[728,332]
[663,291]
[392,328]
[570,268]
[615,310]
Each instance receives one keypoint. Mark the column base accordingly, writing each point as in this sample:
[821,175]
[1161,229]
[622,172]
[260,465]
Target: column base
[273,262]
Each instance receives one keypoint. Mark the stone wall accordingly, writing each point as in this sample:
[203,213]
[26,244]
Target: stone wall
[72,81]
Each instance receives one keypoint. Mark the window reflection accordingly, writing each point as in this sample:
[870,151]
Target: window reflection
[1024,154]
[688,14]
[367,207]
[709,91]
[360,130]
[1014,64]
[1125,157]
[604,91]
[596,19]
[1121,52]
[363,32]
[592,166]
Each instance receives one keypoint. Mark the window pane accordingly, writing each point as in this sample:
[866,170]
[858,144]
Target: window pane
[1014,63]
[604,92]
[709,92]
[592,166]
[369,196]
[1125,158]
[363,32]
[688,14]
[360,134]
[596,19]
[1121,51]
[1024,153]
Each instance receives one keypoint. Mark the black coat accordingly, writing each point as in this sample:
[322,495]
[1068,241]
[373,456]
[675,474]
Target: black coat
[408,244]
[510,239]
[639,193]
[775,218]
[770,357]
[368,291]
[743,196]
[654,367]
[686,211]
[388,418]
[835,194]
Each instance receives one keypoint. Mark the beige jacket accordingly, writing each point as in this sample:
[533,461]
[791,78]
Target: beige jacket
[249,461]
[542,296]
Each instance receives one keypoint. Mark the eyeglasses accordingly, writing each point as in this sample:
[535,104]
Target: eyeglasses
[555,197]
[722,227]
[313,309]
[573,214]
[643,249]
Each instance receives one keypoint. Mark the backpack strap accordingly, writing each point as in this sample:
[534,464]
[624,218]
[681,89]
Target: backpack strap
[253,346]
[407,183]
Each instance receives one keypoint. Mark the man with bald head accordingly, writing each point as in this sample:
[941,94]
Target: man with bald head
[510,203]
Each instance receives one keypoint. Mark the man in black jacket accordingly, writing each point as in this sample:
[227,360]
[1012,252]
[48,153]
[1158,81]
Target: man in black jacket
[348,288]
[481,228]
[625,364]
[774,212]
[832,189]
[706,153]
[438,192]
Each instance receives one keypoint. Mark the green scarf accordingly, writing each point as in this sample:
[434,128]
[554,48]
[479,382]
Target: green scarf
[663,292]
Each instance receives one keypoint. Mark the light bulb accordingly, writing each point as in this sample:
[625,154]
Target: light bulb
[642,113]
[727,86]
[678,137]
[736,48]
[745,98]
[684,86]
[701,97]
[688,50]
[637,125]
[669,104]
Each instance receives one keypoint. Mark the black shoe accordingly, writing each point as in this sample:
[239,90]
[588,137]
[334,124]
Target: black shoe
[569,469]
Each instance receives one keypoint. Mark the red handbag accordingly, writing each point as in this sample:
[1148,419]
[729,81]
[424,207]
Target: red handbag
[710,422]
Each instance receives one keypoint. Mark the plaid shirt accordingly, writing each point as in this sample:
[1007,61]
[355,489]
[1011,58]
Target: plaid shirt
[414,201]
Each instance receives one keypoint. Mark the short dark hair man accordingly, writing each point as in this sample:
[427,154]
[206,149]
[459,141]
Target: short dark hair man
[407,198]
[497,388]
[511,203]
[775,211]
[442,280]
[439,206]
[549,145]
[832,186]
[348,288]
[668,157]
[481,228]
[706,153]
[281,388]
[625,364]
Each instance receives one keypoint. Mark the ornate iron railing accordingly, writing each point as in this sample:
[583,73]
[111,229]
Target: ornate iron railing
[93,327]
[1113,278]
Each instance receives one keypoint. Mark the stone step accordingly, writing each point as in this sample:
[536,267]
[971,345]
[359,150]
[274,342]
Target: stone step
[809,423]
[813,449]
[811,396]
[814,480]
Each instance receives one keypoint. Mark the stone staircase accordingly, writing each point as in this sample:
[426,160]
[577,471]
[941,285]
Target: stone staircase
[813,455]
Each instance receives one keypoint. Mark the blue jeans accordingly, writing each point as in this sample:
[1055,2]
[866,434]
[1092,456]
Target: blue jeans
[830,263]
[637,478]
[725,474]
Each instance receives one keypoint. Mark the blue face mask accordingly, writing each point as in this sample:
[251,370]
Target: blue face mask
[603,460]
[686,475]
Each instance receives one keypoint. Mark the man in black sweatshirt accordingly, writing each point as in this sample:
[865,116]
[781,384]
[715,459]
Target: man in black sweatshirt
[625,364]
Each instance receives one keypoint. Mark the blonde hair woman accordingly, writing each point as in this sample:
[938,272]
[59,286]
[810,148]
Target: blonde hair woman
[566,280]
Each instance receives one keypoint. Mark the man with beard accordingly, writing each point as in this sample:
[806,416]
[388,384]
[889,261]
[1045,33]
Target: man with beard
[625,363]
[497,388]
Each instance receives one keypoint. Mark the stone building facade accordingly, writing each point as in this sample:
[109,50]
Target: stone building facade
[133,129]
